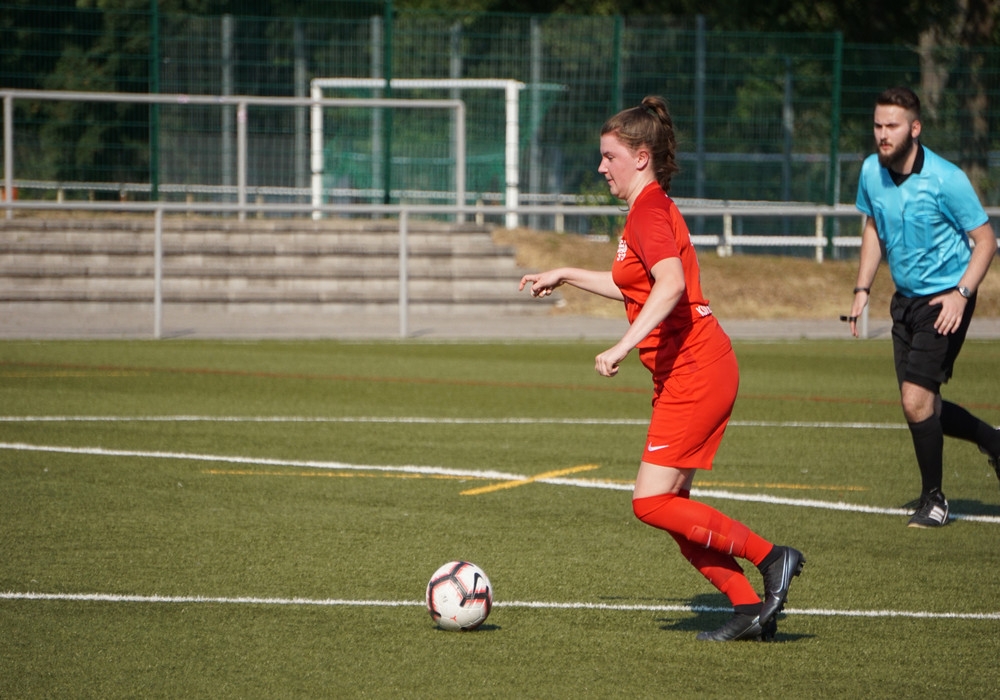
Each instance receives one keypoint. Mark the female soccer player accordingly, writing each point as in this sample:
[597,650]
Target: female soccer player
[695,375]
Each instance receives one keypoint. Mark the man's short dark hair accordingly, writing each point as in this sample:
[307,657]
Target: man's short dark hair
[900,97]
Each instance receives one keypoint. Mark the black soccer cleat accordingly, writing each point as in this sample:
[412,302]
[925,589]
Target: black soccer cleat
[777,578]
[769,629]
[740,627]
[932,511]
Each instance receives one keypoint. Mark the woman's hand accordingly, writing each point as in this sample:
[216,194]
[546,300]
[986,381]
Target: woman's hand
[542,283]
[607,362]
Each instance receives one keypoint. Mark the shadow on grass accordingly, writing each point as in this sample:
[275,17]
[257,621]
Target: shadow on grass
[485,627]
[961,506]
[967,506]
[707,616]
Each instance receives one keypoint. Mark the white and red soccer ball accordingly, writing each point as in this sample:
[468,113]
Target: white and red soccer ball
[459,596]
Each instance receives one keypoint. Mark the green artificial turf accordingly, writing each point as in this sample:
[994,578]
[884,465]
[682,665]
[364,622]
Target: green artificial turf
[259,519]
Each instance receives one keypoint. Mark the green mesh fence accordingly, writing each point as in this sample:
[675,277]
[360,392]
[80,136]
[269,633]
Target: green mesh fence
[776,117]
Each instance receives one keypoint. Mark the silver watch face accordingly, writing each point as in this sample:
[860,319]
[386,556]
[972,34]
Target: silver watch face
[964,291]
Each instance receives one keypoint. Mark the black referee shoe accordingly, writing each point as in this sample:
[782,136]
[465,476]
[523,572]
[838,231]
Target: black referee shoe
[932,511]
[993,461]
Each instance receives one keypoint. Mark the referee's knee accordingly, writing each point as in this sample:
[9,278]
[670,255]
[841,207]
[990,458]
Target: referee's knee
[918,402]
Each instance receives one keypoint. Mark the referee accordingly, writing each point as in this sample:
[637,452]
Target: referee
[939,244]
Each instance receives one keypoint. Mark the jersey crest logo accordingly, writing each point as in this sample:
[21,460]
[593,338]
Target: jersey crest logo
[622,250]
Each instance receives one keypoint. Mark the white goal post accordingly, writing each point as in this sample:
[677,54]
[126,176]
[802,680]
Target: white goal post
[317,162]
[511,89]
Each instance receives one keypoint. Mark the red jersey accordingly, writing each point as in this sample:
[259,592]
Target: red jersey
[689,337]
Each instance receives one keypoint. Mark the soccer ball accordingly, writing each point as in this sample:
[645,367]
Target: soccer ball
[459,596]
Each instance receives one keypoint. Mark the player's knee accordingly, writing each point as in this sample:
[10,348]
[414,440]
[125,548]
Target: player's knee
[649,509]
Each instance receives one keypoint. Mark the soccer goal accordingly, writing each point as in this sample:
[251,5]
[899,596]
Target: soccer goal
[488,174]
[350,175]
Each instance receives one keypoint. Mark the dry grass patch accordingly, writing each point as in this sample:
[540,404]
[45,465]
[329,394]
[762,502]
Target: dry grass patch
[739,287]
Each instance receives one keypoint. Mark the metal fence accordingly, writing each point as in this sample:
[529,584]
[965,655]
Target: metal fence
[316,105]
[725,244]
[319,192]
[760,116]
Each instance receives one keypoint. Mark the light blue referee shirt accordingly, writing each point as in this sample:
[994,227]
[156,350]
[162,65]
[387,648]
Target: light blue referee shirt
[923,222]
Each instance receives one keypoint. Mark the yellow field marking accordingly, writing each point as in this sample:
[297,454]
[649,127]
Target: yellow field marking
[521,482]
[340,475]
[758,485]
[763,485]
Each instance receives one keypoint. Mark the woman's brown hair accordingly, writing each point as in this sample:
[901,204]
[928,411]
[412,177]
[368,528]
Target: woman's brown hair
[648,126]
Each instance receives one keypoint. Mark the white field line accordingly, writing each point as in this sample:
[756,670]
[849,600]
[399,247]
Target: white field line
[474,474]
[591,483]
[407,469]
[337,602]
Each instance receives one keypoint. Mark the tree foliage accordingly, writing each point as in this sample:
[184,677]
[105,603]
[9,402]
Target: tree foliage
[104,45]
[860,21]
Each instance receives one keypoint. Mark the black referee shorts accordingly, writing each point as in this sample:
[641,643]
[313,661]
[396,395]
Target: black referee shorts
[923,356]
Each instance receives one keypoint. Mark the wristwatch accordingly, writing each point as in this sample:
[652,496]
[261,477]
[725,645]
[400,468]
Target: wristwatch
[964,291]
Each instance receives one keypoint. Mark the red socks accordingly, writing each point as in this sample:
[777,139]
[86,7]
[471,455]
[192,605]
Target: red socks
[708,539]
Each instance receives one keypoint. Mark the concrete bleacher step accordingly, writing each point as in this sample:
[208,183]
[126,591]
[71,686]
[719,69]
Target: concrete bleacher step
[302,263]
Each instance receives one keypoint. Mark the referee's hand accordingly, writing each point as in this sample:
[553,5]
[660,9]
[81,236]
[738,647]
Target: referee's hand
[857,308]
[952,311]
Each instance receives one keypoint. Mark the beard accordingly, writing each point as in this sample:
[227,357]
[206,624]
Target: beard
[896,158]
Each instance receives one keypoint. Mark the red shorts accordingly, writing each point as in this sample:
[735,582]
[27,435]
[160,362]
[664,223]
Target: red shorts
[690,414]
